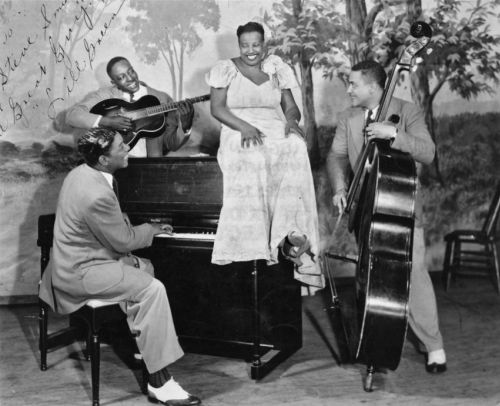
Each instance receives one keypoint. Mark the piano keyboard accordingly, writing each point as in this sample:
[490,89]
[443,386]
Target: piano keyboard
[188,236]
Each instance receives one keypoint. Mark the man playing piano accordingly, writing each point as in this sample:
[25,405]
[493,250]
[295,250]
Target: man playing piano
[125,84]
[91,260]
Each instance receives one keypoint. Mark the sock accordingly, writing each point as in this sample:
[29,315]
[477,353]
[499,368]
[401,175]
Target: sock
[159,378]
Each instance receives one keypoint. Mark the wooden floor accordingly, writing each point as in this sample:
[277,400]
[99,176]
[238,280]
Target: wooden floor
[470,322]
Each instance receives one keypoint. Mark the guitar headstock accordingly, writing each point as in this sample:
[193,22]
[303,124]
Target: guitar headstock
[422,33]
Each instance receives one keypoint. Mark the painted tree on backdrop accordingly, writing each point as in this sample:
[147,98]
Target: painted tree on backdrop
[464,53]
[308,35]
[168,30]
[65,32]
[465,56]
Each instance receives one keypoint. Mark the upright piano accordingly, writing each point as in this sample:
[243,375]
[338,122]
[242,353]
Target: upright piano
[246,310]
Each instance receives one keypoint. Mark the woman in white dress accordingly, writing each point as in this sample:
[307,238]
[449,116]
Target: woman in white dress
[269,199]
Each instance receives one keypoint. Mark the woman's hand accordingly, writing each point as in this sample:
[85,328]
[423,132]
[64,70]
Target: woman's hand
[251,135]
[292,126]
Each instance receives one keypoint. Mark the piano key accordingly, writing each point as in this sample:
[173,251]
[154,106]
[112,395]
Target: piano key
[188,236]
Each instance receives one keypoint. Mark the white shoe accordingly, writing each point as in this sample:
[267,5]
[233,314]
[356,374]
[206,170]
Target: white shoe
[436,362]
[436,357]
[171,393]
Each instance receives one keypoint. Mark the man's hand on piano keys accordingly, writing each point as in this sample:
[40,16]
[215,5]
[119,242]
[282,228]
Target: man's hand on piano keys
[162,229]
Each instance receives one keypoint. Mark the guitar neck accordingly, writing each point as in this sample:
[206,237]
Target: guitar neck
[165,107]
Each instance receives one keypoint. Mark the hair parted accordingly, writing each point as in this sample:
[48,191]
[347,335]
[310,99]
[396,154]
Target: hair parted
[94,143]
[251,26]
[112,63]
[372,70]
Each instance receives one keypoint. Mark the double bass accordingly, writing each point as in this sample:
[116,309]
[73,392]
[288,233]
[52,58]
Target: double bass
[381,208]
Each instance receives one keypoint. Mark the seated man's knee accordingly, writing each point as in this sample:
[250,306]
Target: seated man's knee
[157,288]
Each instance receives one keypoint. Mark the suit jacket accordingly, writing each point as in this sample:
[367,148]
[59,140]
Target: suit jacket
[79,115]
[413,137]
[92,241]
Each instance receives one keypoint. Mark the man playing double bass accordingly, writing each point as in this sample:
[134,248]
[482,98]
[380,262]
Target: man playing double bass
[410,135]
[125,85]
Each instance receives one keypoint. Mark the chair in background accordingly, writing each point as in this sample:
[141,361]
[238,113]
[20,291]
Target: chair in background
[474,252]
[88,319]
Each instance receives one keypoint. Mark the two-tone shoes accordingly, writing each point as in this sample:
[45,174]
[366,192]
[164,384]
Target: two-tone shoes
[172,394]
[436,362]
[435,368]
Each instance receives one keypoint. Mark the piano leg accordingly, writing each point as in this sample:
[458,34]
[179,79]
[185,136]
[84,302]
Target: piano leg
[256,363]
[247,310]
[262,364]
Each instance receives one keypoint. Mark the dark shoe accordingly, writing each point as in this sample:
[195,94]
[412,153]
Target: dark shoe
[190,401]
[435,368]
[172,394]
[294,246]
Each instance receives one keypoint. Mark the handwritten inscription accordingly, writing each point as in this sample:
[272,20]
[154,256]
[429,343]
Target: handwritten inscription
[44,65]
[12,62]
[7,35]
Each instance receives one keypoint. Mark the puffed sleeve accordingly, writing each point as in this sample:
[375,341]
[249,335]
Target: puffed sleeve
[275,66]
[221,74]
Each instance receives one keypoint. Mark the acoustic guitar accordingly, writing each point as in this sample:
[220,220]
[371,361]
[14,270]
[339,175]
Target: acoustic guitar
[147,115]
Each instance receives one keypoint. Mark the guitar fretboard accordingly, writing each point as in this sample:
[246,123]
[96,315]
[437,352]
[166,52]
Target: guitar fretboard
[163,108]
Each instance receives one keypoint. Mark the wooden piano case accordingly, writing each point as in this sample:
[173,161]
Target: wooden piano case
[246,310]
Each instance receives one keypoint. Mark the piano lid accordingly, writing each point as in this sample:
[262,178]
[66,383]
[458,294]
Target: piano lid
[171,184]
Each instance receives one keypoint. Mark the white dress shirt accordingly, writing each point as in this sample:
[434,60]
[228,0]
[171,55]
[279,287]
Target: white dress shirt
[108,177]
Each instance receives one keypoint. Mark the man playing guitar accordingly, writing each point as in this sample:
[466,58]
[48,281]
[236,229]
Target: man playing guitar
[126,86]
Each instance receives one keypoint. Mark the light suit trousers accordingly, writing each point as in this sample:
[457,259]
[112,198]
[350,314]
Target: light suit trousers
[423,317]
[150,320]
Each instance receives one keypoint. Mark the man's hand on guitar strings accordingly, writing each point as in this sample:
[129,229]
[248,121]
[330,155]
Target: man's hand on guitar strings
[117,122]
[186,114]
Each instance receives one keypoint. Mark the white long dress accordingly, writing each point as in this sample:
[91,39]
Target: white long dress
[268,189]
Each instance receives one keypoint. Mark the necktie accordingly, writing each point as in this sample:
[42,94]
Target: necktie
[368,121]
[131,97]
[369,118]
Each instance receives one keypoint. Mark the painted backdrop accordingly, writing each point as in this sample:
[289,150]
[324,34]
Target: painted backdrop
[53,52]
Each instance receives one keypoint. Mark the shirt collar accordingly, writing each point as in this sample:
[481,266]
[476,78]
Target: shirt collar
[108,177]
[137,95]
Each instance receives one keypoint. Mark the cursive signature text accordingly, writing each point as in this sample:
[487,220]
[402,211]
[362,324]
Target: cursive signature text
[70,36]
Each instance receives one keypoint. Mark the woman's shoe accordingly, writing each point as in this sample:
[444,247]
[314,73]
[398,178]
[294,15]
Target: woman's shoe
[294,246]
